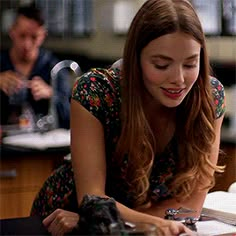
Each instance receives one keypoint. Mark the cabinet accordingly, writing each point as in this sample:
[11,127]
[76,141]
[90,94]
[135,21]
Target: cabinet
[29,172]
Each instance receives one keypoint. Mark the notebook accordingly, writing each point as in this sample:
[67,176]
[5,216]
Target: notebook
[221,206]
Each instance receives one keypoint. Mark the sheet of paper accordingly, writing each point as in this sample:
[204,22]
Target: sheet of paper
[221,205]
[221,201]
[214,228]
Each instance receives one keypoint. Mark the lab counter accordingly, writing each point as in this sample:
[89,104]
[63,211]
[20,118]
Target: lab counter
[33,226]
[23,226]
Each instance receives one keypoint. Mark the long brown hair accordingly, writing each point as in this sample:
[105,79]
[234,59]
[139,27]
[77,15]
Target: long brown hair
[195,116]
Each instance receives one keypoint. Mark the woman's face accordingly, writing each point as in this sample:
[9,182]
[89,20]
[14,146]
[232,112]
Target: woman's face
[170,67]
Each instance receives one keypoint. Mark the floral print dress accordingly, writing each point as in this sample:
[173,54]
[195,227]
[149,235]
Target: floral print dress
[99,91]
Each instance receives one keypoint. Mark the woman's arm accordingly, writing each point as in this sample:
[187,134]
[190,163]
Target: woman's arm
[196,201]
[87,152]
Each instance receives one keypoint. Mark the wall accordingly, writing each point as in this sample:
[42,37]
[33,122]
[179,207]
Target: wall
[104,44]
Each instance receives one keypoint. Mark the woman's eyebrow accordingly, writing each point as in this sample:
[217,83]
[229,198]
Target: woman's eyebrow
[192,57]
[160,56]
[164,57]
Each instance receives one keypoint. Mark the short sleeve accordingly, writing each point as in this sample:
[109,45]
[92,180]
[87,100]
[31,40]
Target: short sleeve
[95,91]
[218,96]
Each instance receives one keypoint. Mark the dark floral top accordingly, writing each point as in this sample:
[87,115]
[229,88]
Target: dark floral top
[99,91]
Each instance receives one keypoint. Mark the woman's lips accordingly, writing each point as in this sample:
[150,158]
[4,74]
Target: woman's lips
[173,93]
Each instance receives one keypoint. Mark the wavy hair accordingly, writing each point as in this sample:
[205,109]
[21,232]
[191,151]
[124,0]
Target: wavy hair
[195,115]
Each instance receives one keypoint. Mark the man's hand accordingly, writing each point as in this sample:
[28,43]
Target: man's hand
[40,89]
[11,82]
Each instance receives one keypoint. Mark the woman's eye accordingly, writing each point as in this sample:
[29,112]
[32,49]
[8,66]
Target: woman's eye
[190,66]
[161,67]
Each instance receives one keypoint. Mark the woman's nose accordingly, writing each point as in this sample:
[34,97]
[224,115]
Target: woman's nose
[177,76]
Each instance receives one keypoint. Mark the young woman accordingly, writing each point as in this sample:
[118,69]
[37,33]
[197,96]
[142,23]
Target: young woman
[147,133]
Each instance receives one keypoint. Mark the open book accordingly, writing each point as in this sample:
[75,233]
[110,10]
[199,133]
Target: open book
[221,206]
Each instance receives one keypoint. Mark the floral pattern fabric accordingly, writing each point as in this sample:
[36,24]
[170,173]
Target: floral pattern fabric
[99,91]
[219,97]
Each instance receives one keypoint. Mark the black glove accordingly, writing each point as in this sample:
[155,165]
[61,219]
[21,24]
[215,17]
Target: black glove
[97,214]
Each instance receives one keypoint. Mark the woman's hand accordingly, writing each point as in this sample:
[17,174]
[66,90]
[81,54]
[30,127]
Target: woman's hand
[61,222]
[170,227]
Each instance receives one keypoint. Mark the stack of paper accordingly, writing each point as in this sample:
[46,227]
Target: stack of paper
[52,139]
[221,205]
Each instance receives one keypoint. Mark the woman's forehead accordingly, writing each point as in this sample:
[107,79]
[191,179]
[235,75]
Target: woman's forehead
[173,45]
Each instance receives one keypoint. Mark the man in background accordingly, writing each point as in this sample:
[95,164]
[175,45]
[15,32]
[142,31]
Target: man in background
[26,66]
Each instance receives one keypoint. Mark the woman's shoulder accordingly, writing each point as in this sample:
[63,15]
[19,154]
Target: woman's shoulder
[107,74]
[100,79]
[98,90]
[216,84]
[218,96]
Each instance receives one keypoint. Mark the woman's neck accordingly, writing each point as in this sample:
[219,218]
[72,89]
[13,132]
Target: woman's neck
[162,121]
